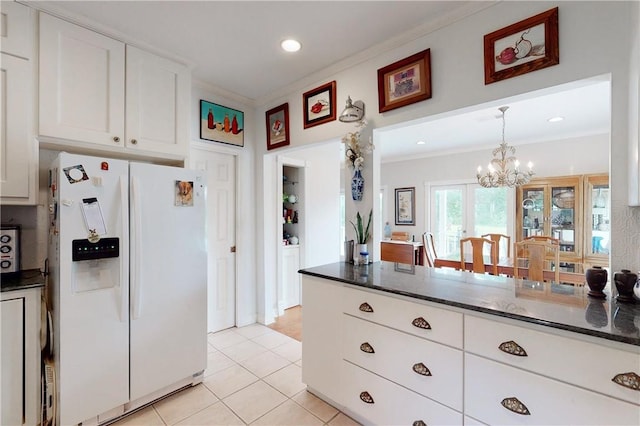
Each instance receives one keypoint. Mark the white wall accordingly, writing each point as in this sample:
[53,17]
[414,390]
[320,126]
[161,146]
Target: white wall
[554,158]
[457,61]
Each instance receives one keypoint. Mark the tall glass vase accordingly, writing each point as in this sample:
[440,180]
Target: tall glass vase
[357,186]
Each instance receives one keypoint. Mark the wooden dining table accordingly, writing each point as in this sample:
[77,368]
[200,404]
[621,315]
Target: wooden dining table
[505,267]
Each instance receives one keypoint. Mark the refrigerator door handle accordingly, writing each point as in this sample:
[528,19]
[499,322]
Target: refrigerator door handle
[136,259]
[124,270]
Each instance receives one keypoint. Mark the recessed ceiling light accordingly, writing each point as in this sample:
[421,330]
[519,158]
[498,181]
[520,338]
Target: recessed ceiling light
[555,119]
[421,142]
[290,45]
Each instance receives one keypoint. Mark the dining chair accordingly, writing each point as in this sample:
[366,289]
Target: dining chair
[499,238]
[538,256]
[477,251]
[429,249]
[545,238]
[398,253]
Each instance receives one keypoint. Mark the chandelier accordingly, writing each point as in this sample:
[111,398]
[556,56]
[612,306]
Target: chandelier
[504,169]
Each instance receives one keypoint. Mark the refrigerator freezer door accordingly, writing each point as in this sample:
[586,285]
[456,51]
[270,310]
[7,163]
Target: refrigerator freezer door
[168,276]
[90,297]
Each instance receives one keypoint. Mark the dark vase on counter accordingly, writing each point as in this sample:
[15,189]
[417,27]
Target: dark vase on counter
[625,280]
[596,280]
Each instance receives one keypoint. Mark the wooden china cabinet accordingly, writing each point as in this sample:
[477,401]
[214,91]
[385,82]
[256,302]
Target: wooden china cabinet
[573,209]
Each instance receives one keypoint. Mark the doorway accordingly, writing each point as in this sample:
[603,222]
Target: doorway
[221,236]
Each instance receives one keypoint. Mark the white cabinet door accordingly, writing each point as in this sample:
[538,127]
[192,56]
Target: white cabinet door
[158,93]
[81,84]
[12,344]
[17,162]
[289,294]
[15,29]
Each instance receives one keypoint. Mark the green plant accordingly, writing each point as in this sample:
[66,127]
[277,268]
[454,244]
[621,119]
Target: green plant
[362,234]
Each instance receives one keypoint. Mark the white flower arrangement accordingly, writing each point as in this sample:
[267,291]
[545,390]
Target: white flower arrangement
[355,149]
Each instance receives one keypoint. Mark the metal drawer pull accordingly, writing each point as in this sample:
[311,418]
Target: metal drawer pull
[512,348]
[365,397]
[365,307]
[421,369]
[419,423]
[421,323]
[628,380]
[366,347]
[513,404]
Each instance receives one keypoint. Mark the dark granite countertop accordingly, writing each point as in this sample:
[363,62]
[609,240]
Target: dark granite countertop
[22,280]
[559,306]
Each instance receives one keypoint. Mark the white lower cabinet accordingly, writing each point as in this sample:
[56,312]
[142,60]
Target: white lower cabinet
[490,387]
[12,391]
[20,357]
[361,350]
[428,368]
[382,402]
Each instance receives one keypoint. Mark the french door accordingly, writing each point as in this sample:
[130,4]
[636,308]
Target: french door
[467,210]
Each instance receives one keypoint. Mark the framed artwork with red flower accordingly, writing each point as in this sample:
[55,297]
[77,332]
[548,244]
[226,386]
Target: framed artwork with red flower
[277,126]
[525,46]
[319,105]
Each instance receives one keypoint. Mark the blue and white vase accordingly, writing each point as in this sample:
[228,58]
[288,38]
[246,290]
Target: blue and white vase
[357,186]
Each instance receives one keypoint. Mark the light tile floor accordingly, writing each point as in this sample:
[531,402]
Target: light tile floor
[253,376]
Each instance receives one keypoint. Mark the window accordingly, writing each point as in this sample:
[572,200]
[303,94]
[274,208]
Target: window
[468,210]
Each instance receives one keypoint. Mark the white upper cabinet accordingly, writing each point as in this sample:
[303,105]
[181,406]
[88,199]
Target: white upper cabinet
[15,29]
[85,102]
[18,148]
[157,103]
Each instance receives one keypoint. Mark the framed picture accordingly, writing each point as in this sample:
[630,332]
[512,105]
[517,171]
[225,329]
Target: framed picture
[525,46]
[277,126]
[405,82]
[405,206]
[221,124]
[319,105]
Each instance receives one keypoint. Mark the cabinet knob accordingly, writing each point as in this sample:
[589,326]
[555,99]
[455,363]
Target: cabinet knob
[512,348]
[134,141]
[365,397]
[514,404]
[366,347]
[365,307]
[421,323]
[421,369]
[628,380]
[116,139]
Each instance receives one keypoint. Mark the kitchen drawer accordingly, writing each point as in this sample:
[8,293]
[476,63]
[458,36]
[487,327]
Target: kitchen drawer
[444,326]
[390,404]
[396,354]
[549,402]
[574,361]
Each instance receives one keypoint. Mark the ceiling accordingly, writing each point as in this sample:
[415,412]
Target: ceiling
[234,47]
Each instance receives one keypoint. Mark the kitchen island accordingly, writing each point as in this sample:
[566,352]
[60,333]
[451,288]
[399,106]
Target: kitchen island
[391,343]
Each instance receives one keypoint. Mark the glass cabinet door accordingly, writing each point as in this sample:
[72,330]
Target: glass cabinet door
[533,212]
[563,217]
[598,215]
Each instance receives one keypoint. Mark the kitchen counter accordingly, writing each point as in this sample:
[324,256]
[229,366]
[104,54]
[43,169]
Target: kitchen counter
[559,306]
[22,280]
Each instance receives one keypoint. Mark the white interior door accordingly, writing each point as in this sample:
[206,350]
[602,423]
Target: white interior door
[221,235]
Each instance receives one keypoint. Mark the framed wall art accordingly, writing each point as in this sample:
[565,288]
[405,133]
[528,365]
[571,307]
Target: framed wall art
[405,82]
[406,206]
[525,46]
[277,126]
[221,124]
[319,105]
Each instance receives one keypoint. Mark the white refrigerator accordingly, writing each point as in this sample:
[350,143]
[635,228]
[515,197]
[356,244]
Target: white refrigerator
[128,283]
